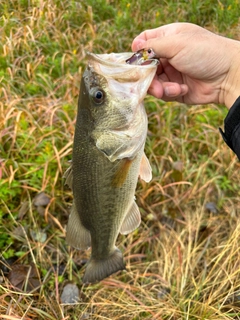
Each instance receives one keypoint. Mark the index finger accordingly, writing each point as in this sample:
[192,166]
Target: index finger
[163,31]
[144,36]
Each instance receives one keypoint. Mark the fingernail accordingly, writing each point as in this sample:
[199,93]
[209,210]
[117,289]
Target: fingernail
[140,44]
[184,89]
[170,91]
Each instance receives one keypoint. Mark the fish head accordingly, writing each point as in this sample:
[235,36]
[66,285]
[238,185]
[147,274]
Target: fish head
[117,87]
[115,91]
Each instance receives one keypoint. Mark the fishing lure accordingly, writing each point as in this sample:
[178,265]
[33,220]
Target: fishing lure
[142,56]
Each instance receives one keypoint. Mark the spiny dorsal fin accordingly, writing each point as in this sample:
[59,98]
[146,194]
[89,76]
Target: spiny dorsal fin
[132,220]
[145,171]
[77,235]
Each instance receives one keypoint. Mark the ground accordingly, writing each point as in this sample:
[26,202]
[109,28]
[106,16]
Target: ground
[183,262]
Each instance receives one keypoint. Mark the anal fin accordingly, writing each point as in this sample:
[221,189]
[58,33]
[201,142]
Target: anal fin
[132,220]
[68,175]
[77,235]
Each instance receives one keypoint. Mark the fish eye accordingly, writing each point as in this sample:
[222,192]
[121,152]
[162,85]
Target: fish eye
[97,95]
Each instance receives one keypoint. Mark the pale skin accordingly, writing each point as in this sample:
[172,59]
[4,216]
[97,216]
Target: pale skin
[196,65]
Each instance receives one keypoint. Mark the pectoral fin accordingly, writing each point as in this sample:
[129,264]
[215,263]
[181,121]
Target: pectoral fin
[132,220]
[77,235]
[118,145]
[145,172]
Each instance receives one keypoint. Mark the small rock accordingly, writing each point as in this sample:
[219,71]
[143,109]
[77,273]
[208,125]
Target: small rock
[212,207]
[70,294]
[85,316]
[163,293]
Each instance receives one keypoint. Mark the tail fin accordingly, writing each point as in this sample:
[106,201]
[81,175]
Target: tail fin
[97,270]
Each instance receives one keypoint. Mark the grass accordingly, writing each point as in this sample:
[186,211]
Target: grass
[184,260]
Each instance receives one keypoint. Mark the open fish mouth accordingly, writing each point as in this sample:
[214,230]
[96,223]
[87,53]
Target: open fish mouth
[113,66]
[143,57]
[129,59]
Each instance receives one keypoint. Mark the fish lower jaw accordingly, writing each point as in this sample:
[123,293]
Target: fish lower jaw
[99,269]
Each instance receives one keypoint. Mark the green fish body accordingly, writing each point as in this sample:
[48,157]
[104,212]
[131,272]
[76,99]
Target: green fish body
[108,157]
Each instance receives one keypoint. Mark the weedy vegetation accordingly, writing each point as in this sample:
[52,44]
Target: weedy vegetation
[183,262]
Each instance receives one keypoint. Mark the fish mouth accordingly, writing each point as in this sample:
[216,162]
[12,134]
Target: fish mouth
[119,59]
[113,66]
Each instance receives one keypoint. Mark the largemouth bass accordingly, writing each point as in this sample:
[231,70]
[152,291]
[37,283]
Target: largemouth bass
[108,157]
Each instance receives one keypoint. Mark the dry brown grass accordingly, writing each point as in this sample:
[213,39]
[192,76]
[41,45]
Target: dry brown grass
[184,260]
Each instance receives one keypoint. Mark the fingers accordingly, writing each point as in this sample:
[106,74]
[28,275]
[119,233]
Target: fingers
[174,90]
[167,91]
[140,41]
[150,34]
[156,89]
[167,83]
[160,32]
[167,40]
[168,30]
[166,47]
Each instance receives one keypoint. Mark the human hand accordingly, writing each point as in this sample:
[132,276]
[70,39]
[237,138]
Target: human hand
[196,65]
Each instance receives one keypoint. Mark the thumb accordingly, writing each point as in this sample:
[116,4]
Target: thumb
[138,44]
[166,47]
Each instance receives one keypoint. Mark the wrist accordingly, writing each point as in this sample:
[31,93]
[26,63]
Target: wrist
[231,89]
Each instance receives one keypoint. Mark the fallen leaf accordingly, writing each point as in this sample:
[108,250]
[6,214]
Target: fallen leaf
[41,199]
[41,210]
[19,233]
[5,264]
[24,277]
[23,209]
[39,236]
